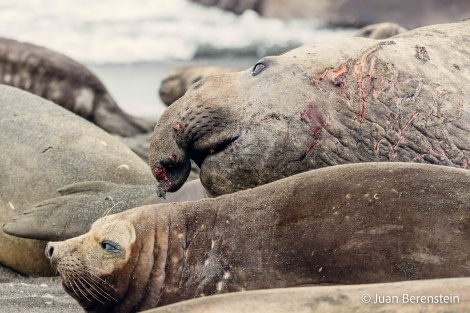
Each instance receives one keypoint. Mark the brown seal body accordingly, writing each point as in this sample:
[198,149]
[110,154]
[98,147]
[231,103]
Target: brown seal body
[64,81]
[64,171]
[449,295]
[347,101]
[348,224]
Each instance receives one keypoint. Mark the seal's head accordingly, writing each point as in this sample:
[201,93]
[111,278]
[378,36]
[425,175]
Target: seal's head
[93,266]
[119,265]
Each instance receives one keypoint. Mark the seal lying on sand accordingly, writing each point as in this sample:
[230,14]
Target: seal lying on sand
[440,296]
[347,224]
[381,30]
[354,100]
[64,81]
[177,81]
[44,148]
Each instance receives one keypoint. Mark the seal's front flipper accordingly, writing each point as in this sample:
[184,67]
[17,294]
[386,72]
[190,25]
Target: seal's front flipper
[58,218]
[73,213]
[86,187]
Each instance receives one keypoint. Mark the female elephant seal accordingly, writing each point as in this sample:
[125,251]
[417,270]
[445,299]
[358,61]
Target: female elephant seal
[73,169]
[349,101]
[347,224]
[64,81]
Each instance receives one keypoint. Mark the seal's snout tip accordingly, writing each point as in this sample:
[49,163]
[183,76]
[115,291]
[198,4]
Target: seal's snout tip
[49,251]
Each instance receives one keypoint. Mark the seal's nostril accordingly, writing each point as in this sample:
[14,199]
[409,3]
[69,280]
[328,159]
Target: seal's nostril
[49,251]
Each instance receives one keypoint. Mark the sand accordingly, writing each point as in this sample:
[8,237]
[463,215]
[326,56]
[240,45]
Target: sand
[38,295]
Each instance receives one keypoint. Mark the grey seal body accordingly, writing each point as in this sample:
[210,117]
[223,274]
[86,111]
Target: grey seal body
[64,171]
[64,81]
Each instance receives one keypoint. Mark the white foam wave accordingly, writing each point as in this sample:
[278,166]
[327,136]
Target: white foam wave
[121,31]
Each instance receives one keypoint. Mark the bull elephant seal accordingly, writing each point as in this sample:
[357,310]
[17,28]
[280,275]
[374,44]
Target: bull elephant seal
[347,224]
[64,81]
[45,148]
[354,100]
[381,30]
[177,81]
[440,296]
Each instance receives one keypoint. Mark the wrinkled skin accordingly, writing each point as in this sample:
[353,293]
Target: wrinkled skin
[64,81]
[355,100]
[349,224]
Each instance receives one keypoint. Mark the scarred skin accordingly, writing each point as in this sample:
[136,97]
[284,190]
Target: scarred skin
[348,224]
[349,101]
[64,81]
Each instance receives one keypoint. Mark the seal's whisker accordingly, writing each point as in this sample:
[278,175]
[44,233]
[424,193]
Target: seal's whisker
[67,279]
[94,285]
[108,211]
[101,293]
[90,290]
[88,267]
[79,289]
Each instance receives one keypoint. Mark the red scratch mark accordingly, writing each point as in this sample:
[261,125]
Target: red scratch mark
[377,146]
[364,82]
[177,127]
[336,75]
[443,155]
[322,75]
[418,89]
[311,147]
[359,67]
[389,84]
[401,134]
[440,117]
[313,81]
[314,117]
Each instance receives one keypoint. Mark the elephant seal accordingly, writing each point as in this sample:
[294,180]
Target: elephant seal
[346,224]
[64,81]
[45,148]
[347,101]
[381,30]
[440,296]
[177,81]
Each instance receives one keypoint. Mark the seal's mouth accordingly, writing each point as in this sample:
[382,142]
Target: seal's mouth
[172,172]
[198,152]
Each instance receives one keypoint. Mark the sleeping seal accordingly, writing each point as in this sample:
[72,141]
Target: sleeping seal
[347,101]
[55,77]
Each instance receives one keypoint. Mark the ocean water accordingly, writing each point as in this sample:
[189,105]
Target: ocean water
[131,44]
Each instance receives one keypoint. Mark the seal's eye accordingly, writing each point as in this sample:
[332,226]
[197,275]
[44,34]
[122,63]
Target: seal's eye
[258,68]
[108,246]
